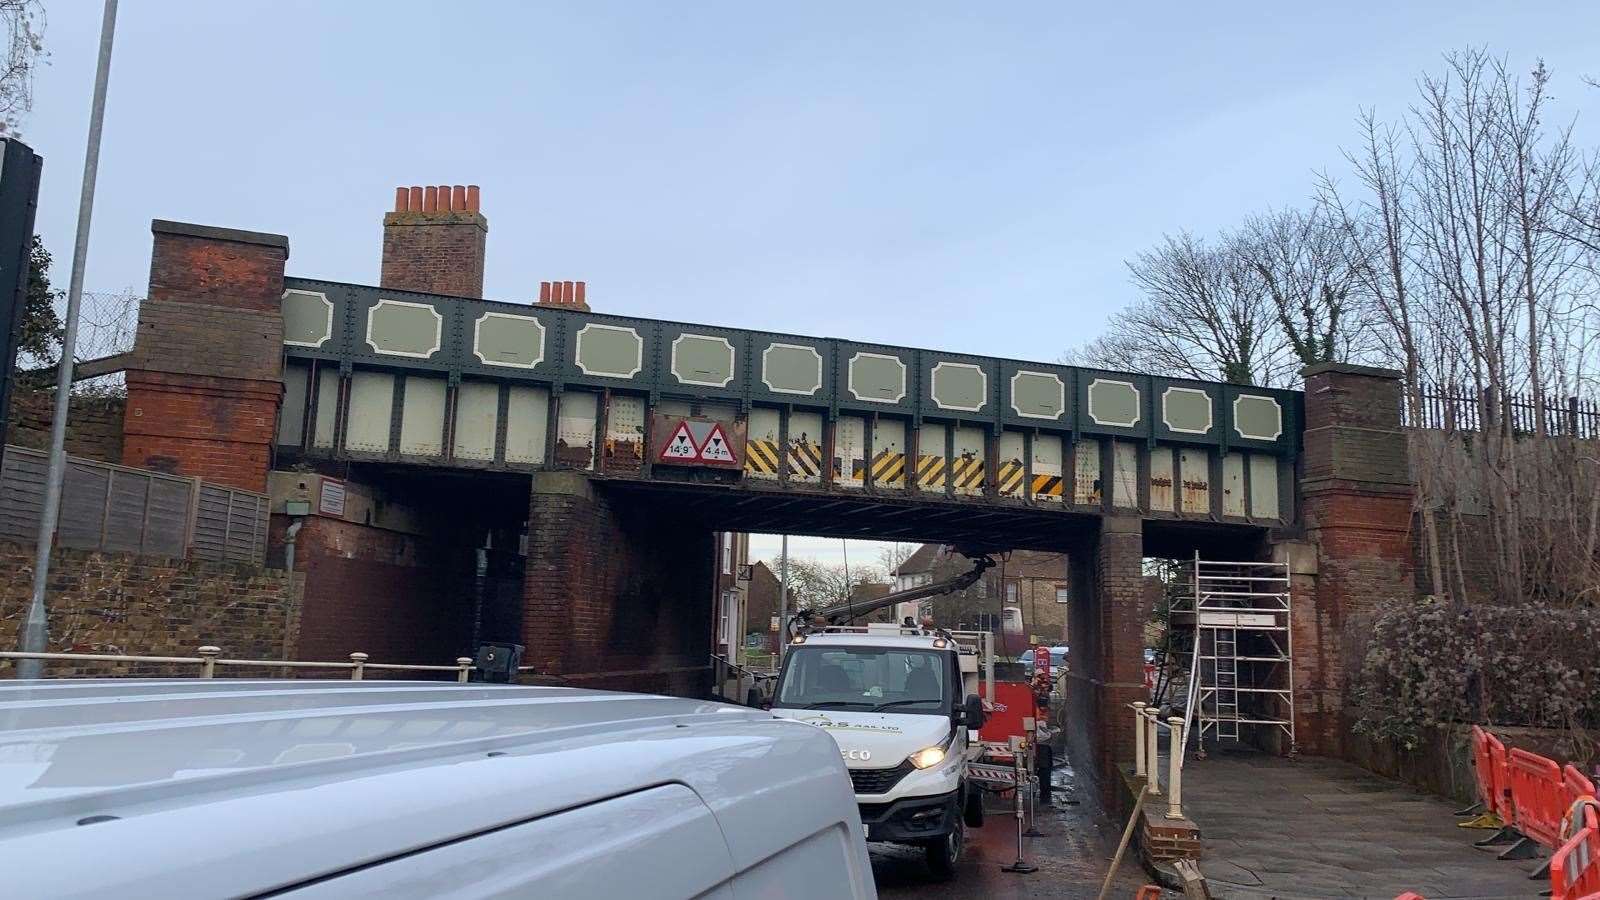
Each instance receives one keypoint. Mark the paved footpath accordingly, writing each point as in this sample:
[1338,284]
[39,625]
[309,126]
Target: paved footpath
[1319,828]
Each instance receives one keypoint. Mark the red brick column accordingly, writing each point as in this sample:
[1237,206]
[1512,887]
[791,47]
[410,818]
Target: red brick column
[206,377]
[1357,493]
[1106,634]
[617,590]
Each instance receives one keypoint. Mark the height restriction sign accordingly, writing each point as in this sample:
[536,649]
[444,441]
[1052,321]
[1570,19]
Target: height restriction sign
[687,441]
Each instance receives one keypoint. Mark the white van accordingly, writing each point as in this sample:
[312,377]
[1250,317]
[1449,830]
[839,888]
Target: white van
[900,702]
[320,789]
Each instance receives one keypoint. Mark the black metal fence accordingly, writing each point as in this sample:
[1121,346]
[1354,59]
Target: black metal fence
[1446,409]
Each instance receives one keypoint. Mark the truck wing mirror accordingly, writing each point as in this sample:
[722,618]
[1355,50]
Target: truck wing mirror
[972,714]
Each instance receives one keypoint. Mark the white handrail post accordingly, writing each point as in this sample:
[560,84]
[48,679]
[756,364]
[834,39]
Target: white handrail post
[1175,772]
[358,662]
[463,666]
[1152,751]
[1138,731]
[208,660]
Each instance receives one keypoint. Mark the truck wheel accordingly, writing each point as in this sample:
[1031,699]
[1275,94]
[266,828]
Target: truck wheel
[945,852]
[972,810]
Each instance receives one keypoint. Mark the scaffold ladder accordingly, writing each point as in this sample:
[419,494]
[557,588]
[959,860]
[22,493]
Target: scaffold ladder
[1241,671]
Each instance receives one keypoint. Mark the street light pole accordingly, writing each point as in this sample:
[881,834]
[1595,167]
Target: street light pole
[35,630]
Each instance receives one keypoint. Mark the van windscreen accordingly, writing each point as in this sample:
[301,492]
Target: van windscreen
[863,678]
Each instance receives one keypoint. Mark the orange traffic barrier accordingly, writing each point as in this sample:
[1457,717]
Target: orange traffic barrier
[1411,895]
[1502,786]
[1538,795]
[1486,773]
[1148,892]
[1576,783]
[1575,866]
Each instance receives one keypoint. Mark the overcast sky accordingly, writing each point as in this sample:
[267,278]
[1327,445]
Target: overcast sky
[953,175]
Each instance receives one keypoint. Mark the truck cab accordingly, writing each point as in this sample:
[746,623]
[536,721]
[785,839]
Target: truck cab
[902,705]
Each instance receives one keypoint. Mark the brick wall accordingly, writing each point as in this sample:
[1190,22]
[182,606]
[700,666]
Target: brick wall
[1357,496]
[434,240]
[205,379]
[1106,634]
[397,597]
[122,603]
[216,428]
[94,422]
[618,590]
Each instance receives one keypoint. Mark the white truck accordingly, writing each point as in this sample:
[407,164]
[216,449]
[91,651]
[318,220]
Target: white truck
[902,703]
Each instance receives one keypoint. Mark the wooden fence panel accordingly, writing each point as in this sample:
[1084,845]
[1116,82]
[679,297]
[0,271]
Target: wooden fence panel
[121,509]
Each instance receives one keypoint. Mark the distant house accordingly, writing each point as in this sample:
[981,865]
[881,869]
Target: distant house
[1033,581]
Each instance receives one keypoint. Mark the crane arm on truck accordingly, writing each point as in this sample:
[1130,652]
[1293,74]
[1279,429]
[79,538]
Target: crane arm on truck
[841,613]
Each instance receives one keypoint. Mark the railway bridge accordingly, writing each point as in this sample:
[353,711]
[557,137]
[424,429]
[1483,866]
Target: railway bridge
[517,471]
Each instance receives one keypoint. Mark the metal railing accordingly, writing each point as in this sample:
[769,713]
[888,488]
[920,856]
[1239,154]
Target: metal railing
[723,669]
[209,658]
[1457,408]
[1147,756]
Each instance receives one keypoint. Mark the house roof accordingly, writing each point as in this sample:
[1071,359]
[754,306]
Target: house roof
[921,560]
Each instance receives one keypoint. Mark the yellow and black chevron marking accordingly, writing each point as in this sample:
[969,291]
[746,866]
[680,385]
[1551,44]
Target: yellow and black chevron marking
[930,473]
[889,469]
[1010,477]
[805,460]
[761,458]
[967,473]
[1047,487]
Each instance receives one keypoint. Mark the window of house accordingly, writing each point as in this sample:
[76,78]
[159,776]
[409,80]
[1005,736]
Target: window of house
[724,610]
[1011,592]
[1061,593]
[727,553]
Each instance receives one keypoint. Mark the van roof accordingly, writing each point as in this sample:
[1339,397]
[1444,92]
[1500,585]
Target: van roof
[211,787]
[877,639]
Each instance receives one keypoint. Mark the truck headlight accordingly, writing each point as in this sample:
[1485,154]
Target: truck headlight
[928,758]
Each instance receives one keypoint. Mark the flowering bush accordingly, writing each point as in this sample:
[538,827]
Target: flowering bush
[1428,664]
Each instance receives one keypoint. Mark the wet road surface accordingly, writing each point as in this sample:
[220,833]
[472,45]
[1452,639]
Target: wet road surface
[1072,854]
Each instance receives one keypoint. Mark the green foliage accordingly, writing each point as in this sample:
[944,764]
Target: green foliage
[1429,664]
[39,339]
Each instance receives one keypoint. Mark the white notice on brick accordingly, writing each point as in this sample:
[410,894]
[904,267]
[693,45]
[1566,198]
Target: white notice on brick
[330,501]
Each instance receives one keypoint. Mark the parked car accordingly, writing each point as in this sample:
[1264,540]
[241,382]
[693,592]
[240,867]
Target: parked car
[1058,660]
[319,789]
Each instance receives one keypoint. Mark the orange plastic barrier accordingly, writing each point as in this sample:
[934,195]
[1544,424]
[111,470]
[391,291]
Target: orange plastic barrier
[1411,895]
[1502,786]
[1538,795]
[1483,768]
[1576,784]
[1575,867]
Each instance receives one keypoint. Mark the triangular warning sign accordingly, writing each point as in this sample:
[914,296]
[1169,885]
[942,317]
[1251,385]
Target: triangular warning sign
[716,448]
[680,445]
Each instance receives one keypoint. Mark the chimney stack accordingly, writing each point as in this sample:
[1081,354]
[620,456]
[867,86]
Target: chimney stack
[563,295]
[433,241]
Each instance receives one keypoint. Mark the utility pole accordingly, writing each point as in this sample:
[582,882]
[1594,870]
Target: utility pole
[783,599]
[35,630]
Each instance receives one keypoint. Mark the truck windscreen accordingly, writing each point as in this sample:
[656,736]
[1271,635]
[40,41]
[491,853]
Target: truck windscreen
[864,678]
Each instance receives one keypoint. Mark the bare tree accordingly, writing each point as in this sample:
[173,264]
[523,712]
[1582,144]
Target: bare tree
[23,21]
[1457,240]
[1302,263]
[1205,314]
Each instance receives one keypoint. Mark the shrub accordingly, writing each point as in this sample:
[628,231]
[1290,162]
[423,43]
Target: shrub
[1429,664]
